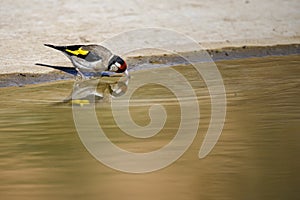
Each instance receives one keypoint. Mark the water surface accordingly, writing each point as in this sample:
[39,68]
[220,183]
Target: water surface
[256,157]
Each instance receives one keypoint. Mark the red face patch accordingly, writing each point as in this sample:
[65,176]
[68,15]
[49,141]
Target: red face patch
[123,66]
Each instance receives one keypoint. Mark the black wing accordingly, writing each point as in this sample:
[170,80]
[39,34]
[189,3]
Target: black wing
[76,50]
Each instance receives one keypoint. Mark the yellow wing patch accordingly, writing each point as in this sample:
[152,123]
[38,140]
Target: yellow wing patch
[80,51]
[80,102]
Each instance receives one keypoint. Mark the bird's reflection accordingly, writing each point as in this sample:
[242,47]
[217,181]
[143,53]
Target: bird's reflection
[96,90]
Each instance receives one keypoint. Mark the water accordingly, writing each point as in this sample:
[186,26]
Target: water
[256,157]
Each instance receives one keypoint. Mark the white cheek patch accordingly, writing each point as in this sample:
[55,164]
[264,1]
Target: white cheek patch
[118,64]
[114,68]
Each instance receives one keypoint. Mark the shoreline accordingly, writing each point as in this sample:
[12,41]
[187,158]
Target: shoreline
[216,54]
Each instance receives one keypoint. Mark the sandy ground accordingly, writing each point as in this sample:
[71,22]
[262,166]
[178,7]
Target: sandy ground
[26,25]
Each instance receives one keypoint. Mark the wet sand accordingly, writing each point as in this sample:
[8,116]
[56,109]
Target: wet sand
[134,62]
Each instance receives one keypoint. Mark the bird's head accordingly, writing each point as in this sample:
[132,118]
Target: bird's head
[117,64]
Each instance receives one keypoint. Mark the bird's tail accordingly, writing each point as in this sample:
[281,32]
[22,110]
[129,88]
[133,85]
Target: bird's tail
[68,70]
[60,48]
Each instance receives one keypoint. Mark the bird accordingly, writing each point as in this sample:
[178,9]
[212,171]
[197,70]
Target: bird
[93,60]
[89,91]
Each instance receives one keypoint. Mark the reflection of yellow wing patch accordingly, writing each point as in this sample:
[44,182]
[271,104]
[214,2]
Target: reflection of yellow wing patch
[80,102]
[80,51]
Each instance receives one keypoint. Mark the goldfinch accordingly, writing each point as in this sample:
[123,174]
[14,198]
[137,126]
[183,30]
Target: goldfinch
[93,60]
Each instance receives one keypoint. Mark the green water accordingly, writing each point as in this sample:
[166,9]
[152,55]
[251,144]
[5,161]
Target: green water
[256,157]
